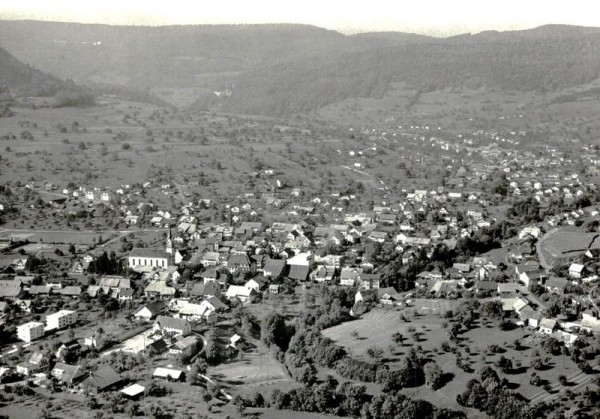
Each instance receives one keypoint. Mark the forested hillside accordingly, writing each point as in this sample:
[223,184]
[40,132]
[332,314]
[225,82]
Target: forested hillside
[284,69]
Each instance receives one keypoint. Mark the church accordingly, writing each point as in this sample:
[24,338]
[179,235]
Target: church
[155,258]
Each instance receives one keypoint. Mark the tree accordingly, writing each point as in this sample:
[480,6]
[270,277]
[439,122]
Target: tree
[274,331]
[375,353]
[562,379]
[398,338]
[504,364]
[433,375]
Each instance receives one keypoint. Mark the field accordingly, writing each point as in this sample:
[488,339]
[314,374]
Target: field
[375,329]
[258,371]
[561,245]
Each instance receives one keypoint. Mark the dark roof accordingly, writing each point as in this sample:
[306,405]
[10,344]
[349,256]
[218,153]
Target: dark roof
[148,253]
[155,307]
[66,373]
[299,273]
[238,259]
[216,303]
[171,322]
[275,266]
[210,288]
[158,346]
[103,378]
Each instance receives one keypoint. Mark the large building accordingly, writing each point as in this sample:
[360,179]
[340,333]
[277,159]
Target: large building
[61,319]
[148,257]
[30,331]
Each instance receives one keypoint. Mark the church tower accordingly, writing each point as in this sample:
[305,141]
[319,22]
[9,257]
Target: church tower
[169,248]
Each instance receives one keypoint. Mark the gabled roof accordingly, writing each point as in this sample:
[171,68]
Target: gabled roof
[148,253]
[275,266]
[298,273]
[167,372]
[66,373]
[238,259]
[172,323]
[216,303]
[238,290]
[103,378]
[155,307]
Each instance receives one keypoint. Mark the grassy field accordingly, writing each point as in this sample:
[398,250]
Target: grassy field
[258,371]
[377,327]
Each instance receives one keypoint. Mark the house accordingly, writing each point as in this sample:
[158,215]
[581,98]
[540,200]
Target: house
[10,290]
[258,283]
[576,270]
[61,319]
[184,344]
[350,276]
[508,288]
[210,259]
[206,290]
[69,347]
[298,272]
[94,339]
[71,291]
[242,293]
[68,375]
[100,380]
[156,347]
[556,285]
[159,289]
[37,362]
[547,326]
[274,268]
[30,331]
[235,340]
[274,288]
[365,295]
[166,324]
[150,310]
[240,262]
[126,295]
[168,374]
[134,391]
[323,274]
[387,295]
[211,275]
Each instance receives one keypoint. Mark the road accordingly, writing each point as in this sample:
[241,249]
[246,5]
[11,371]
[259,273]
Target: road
[538,247]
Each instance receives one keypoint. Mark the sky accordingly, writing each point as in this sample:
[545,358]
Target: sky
[431,17]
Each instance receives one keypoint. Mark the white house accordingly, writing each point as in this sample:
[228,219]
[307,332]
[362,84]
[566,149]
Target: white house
[240,292]
[547,326]
[575,270]
[166,324]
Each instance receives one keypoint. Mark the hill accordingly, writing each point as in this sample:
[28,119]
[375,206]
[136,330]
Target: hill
[20,80]
[279,69]
[544,60]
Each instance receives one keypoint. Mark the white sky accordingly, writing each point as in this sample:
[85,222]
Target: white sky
[436,17]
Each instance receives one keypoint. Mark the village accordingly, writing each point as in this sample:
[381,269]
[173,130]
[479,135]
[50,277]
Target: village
[114,297]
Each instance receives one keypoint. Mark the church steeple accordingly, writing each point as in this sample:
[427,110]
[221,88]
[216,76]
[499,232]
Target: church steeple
[169,248]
